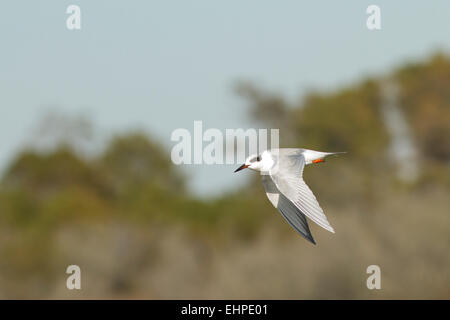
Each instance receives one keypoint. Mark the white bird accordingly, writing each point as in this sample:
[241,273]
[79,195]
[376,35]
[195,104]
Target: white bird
[282,178]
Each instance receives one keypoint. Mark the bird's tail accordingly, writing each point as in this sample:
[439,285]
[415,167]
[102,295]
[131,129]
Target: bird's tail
[326,154]
[334,153]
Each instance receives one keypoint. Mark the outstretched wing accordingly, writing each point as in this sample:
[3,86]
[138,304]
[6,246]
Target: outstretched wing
[287,176]
[288,210]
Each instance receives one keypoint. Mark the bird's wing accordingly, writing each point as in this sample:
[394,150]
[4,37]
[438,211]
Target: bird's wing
[287,176]
[288,210]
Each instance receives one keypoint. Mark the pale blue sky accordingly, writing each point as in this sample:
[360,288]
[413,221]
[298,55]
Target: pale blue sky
[160,65]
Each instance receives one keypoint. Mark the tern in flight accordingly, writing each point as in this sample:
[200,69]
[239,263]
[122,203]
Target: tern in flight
[282,178]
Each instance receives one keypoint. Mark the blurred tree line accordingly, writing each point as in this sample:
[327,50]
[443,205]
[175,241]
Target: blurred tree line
[133,182]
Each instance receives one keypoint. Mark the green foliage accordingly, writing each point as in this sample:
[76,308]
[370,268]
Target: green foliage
[425,98]
[132,188]
[348,120]
[132,161]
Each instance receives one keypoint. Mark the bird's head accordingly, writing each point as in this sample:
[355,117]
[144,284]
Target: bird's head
[253,162]
[262,162]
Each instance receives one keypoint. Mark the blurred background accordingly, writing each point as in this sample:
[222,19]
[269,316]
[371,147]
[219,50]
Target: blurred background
[86,174]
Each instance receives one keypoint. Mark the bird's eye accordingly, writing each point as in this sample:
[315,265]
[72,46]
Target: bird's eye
[258,158]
